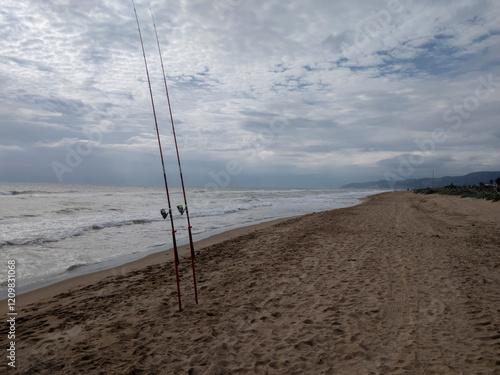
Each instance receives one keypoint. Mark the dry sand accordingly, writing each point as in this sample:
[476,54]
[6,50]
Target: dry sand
[401,284]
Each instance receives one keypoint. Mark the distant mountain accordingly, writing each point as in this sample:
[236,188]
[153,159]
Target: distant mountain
[469,179]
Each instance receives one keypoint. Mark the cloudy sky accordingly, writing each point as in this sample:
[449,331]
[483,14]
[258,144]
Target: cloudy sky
[297,93]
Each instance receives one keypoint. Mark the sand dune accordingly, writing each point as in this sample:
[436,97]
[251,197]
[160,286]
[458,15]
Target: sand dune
[401,284]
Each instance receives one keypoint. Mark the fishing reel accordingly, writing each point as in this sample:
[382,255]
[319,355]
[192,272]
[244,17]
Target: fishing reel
[164,212]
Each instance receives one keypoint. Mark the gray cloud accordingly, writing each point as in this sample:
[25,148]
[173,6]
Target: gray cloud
[295,93]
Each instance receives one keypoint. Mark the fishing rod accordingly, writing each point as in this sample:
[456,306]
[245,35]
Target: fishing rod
[176,255]
[178,160]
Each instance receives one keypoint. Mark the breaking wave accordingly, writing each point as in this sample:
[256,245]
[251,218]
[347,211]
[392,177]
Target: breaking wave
[230,209]
[58,230]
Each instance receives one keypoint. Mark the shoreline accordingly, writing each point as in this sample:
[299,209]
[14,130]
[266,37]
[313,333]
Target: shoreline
[123,260]
[126,263]
[36,270]
[64,282]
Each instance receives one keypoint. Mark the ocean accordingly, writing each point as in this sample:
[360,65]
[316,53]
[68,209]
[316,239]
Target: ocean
[58,231]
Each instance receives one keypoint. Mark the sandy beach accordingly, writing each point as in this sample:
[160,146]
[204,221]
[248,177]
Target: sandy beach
[400,284]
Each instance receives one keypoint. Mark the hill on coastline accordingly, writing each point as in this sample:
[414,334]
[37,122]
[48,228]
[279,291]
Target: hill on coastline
[468,179]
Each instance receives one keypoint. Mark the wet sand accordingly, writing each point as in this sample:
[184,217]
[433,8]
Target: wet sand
[401,284]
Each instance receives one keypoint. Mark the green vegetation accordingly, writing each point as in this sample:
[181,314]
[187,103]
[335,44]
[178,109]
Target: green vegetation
[482,191]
